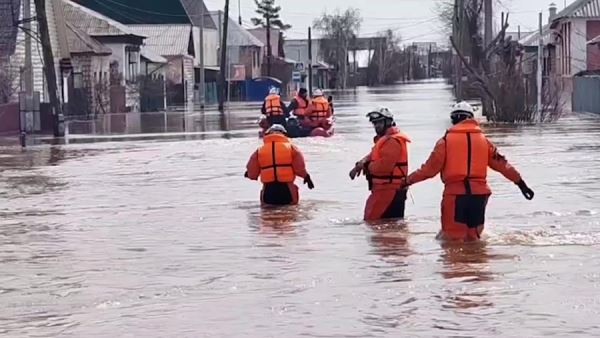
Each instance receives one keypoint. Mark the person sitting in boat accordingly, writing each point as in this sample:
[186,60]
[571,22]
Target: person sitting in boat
[274,108]
[319,112]
[299,104]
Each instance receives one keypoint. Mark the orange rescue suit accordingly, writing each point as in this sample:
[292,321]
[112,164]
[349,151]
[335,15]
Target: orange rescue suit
[302,106]
[387,169]
[462,157]
[384,176]
[275,159]
[273,105]
[318,111]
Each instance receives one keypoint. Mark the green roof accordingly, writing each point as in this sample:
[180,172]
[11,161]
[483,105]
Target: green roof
[132,12]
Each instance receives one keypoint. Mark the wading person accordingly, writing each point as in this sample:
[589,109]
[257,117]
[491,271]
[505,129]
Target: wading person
[277,162]
[385,167]
[462,157]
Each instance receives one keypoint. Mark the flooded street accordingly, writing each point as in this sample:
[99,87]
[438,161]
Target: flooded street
[164,237]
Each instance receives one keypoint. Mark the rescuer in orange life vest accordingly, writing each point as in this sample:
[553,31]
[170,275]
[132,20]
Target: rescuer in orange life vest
[318,112]
[299,104]
[278,162]
[385,167]
[274,109]
[462,157]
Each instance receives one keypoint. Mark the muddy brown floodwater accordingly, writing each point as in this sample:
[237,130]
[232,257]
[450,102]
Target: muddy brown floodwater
[163,237]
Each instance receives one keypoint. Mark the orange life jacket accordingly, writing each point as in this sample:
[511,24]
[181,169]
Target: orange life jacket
[275,159]
[273,105]
[302,105]
[400,171]
[467,153]
[320,108]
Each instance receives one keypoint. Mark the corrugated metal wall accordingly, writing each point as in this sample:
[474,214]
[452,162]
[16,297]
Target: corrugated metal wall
[586,94]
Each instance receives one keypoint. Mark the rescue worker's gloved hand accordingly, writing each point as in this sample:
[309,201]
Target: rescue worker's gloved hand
[359,167]
[525,190]
[308,181]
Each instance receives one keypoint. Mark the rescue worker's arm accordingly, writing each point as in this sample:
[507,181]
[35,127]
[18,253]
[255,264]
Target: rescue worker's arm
[253,167]
[299,167]
[264,108]
[431,167]
[386,164]
[359,166]
[293,105]
[298,164]
[499,163]
[286,111]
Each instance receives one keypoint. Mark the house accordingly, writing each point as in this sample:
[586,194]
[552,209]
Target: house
[170,16]
[175,43]
[125,59]
[89,83]
[244,57]
[298,49]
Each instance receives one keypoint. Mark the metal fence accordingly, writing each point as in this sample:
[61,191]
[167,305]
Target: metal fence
[586,94]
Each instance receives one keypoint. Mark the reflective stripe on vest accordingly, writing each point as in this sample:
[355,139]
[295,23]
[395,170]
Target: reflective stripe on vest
[273,105]
[302,105]
[467,153]
[400,170]
[275,159]
[320,108]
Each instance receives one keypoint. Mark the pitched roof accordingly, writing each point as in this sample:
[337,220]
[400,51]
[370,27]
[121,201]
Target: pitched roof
[132,12]
[236,34]
[91,22]
[165,39]
[580,9]
[9,15]
[194,11]
[149,55]
[81,43]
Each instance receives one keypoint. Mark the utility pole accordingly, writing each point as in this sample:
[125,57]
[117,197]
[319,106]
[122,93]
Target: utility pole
[310,74]
[28,71]
[239,12]
[487,7]
[202,79]
[223,57]
[429,62]
[539,69]
[269,51]
[49,70]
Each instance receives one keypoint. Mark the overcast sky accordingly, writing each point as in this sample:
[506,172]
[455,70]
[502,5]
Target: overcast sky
[414,20]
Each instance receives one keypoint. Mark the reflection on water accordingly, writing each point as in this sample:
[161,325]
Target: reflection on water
[160,235]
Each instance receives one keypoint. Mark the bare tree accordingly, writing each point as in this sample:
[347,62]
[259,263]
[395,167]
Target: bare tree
[9,83]
[496,73]
[339,30]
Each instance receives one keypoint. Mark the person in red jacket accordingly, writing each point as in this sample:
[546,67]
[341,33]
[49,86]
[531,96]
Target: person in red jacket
[277,162]
[385,167]
[462,157]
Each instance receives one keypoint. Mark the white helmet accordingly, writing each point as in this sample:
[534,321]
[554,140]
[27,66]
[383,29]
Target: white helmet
[381,113]
[317,92]
[462,108]
[274,91]
[276,128]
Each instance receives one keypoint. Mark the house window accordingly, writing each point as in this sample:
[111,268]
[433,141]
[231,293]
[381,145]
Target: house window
[77,80]
[132,56]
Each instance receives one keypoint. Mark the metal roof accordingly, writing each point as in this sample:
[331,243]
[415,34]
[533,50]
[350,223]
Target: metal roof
[81,43]
[149,55]
[9,15]
[93,23]
[581,9]
[236,34]
[193,9]
[165,39]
